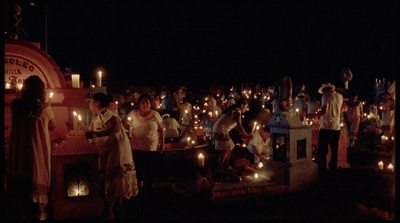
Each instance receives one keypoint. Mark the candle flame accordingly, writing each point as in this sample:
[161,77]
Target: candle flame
[51,94]
[75,114]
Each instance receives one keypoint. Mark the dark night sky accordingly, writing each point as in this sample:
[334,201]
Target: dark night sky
[202,42]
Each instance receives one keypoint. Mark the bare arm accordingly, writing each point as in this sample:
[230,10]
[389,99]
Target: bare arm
[111,126]
[237,117]
[161,135]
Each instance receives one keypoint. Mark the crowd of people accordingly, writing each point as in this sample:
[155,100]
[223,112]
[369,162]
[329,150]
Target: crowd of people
[130,132]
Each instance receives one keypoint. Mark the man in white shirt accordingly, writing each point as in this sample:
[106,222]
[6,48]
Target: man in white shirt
[330,127]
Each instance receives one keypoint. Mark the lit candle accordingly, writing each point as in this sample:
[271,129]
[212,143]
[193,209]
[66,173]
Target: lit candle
[390,167]
[254,126]
[129,123]
[50,97]
[99,74]
[80,121]
[19,86]
[297,111]
[75,80]
[260,165]
[380,165]
[8,85]
[383,139]
[200,160]
[256,175]
[75,120]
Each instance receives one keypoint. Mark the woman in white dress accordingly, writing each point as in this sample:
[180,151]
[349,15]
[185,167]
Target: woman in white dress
[29,159]
[231,118]
[147,137]
[115,156]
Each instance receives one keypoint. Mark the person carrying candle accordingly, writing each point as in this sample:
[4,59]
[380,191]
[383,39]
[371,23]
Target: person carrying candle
[231,118]
[29,160]
[116,164]
[146,139]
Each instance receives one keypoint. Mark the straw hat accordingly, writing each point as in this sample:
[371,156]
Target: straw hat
[325,86]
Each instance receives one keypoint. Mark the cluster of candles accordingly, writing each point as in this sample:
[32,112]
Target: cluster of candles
[389,167]
[77,118]
[385,139]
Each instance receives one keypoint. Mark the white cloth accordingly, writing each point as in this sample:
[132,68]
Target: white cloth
[144,130]
[387,116]
[171,127]
[331,119]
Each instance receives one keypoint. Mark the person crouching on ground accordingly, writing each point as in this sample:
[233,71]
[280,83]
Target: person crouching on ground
[260,140]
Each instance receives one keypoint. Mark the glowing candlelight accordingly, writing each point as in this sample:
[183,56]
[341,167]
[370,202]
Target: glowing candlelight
[98,79]
[254,126]
[260,165]
[80,121]
[50,97]
[19,86]
[75,120]
[297,111]
[380,165]
[8,85]
[390,167]
[256,175]
[200,160]
[130,125]
[75,80]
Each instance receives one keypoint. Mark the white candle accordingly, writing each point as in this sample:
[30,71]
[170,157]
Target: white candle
[200,160]
[80,121]
[50,97]
[75,80]
[99,74]
[254,126]
[75,120]
[130,128]
[390,167]
[380,165]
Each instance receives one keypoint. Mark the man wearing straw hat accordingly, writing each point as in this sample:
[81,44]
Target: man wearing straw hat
[329,134]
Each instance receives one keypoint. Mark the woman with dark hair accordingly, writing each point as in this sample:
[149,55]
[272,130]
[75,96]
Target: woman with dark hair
[29,160]
[115,157]
[231,118]
[147,137]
